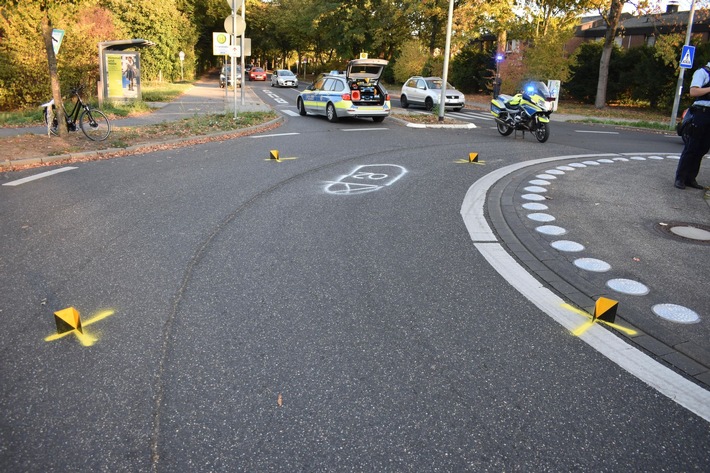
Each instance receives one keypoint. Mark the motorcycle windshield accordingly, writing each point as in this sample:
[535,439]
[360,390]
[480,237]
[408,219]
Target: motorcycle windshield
[537,88]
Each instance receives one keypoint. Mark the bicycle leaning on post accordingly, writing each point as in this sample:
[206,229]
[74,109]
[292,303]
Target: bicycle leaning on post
[92,121]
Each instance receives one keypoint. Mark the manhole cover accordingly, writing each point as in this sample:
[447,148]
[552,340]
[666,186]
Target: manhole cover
[691,232]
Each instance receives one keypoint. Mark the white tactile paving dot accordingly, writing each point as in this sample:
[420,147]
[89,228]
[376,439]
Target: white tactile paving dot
[541,217]
[592,264]
[532,197]
[535,206]
[567,246]
[552,230]
[671,312]
[676,313]
[537,189]
[628,286]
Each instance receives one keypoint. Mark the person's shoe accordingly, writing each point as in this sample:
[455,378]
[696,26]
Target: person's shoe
[694,184]
[679,184]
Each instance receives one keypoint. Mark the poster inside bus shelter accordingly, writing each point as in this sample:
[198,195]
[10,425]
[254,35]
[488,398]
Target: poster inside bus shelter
[123,75]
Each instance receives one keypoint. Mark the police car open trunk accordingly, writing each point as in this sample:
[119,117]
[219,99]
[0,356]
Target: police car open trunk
[363,77]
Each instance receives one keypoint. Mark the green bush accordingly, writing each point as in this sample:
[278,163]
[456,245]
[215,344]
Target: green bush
[584,73]
[410,61]
[472,70]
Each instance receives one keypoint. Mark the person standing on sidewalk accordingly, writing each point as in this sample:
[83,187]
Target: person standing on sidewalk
[698,143]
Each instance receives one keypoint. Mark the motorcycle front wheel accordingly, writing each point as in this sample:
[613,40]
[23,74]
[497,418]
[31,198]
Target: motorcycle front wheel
[504,129]
[542,132]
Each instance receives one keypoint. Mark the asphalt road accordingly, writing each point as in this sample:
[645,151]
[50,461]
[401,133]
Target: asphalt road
[254,315]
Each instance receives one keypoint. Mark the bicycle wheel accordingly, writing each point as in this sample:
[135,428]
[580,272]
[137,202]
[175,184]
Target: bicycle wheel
[94,124]
[55,123]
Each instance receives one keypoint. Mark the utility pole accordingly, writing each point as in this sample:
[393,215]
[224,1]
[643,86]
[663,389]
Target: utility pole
[447,51]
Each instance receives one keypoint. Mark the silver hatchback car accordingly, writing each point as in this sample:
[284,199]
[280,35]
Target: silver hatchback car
[283,78]
[426,92]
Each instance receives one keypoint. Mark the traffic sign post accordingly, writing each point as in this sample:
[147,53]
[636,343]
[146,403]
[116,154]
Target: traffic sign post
[235,26]
[686,57]
[181,54]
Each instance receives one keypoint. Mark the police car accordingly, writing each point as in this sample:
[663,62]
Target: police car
[357,93]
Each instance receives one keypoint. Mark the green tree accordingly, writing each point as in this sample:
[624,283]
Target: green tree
[584,72]
[548,59]
[471,70]
[24,72]
[410,61]
[162,23]
[611,17]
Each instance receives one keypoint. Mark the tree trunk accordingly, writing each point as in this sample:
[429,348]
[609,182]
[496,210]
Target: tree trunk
[434,33]
[54,76]
[502,41]
[612,22]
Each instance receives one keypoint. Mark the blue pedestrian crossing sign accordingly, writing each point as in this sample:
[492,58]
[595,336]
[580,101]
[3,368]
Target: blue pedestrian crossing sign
[687,56]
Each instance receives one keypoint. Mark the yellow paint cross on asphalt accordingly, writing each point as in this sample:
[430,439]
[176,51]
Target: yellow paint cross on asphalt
[68,322]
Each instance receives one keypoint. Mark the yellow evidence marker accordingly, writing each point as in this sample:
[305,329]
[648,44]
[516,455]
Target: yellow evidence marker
[274,156]
[67,320]
[605,309]
[472,159]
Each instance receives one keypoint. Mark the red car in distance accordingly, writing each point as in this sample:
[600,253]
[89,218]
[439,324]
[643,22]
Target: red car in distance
[257,73]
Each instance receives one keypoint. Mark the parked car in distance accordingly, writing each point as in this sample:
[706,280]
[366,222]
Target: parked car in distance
[357,93]
[283,78]
[426,92]
[257,73]
[225,76]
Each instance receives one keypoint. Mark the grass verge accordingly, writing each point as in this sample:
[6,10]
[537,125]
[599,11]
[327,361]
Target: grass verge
[29,146]
[150,91]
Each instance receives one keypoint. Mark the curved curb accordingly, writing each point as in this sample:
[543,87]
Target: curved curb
[9,165]
[671,384]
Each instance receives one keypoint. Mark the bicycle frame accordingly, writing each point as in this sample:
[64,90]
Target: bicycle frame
[72,117]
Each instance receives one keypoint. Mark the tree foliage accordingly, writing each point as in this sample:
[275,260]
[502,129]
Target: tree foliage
[410,61]
[24,76]
[285,33]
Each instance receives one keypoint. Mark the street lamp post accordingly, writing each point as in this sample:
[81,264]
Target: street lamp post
[496,81]
[447,51]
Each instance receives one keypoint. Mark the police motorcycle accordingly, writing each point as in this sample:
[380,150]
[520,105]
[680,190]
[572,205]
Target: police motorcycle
[525,111]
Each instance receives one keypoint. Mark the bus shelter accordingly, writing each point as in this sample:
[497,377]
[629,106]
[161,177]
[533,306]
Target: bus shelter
[120,69]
